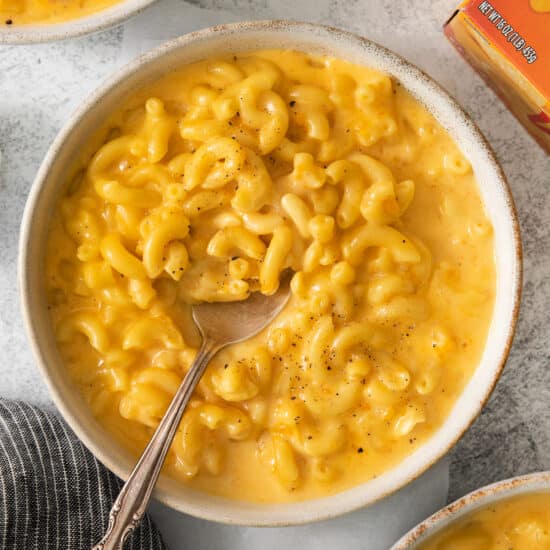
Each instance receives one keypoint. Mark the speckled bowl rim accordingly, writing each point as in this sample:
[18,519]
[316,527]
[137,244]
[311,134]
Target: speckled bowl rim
[310,37]
[92,23]
[490,494]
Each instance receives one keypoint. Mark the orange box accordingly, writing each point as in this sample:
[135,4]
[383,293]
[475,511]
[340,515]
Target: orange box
[508,43]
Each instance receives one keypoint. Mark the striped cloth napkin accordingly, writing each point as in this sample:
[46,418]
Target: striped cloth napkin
[54,495]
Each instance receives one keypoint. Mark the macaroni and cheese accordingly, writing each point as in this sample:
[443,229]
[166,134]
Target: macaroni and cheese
[518,523]
[23,12]
[205,186]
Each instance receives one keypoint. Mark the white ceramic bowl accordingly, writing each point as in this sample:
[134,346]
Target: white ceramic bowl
[491,494]
[49,32]
[241,37]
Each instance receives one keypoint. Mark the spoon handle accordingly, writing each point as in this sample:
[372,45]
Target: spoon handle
[130,505]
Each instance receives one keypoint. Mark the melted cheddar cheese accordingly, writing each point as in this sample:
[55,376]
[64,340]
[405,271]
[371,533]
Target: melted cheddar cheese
[25,12]
[208,183]
[519,523]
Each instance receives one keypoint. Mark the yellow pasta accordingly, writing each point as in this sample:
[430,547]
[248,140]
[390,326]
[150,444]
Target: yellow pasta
[517,523]
[205,186]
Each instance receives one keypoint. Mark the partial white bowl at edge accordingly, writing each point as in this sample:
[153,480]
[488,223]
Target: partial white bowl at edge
[49,32]
[538,482]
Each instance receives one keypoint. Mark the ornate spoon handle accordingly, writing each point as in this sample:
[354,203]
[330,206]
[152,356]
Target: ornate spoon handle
[131,503]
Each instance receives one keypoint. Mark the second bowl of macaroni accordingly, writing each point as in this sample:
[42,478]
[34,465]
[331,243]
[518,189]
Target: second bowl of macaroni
[36,21]
[514,513]
[199,174]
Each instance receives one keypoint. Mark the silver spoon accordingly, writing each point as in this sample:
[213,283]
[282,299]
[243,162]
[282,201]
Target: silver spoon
[219,324]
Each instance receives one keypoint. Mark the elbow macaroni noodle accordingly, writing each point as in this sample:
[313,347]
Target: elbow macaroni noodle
[518,523]
[204,187]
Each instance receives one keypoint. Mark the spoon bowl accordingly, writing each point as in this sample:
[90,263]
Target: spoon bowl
[233,322]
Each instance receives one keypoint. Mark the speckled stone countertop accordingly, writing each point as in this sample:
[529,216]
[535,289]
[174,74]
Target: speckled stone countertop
[41,85]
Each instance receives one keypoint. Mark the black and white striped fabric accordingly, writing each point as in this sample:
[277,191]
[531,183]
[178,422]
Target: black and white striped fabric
[53,493]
